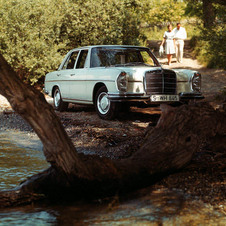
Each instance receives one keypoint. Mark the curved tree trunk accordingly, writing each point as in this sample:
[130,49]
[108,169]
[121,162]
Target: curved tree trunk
[169,146]
[31,105]
[208,13]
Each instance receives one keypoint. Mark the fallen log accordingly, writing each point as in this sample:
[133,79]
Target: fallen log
[169,146]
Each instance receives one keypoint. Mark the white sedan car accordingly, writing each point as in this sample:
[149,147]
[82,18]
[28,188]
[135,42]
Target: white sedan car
[112,76]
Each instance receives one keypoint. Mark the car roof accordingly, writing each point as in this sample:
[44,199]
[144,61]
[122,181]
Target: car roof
[110,46]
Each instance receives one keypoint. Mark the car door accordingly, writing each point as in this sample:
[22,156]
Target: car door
[78,86]
[65,74]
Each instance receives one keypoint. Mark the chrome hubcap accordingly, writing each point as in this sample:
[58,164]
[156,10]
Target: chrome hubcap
[57,98]
[103,103]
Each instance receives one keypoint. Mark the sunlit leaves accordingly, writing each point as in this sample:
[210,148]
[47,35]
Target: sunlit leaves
[165,11]
[36,34]
[210,45]
[31,32]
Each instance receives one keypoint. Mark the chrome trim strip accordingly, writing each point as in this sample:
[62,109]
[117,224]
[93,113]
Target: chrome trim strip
[81,80]
[128,97]
[194,95]
[77,100]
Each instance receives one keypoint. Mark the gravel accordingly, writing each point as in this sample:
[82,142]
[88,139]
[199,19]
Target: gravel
[12,121]
[9,120]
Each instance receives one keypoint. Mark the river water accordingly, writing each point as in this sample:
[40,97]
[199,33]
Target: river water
[21,156]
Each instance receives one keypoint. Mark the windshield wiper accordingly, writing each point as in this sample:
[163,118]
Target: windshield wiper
[133,63]
[130,64]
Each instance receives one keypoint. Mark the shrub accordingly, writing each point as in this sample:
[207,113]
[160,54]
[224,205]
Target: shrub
[36,34]
[210,47]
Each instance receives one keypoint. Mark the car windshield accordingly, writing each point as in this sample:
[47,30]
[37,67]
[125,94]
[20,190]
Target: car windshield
[122,56]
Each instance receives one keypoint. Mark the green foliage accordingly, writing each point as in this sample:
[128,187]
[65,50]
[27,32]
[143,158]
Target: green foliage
[194,8]
[210,47]
[29,37]
[220,11]
[36,34]
[103,22]
[156,33]
[165,11]
[161,13]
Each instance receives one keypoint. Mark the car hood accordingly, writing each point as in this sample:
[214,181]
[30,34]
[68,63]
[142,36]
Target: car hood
[184,75]
[136,74]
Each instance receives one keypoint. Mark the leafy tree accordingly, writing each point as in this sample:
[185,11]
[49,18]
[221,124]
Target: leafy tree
[164,11]
[103,22]
[210,48]
[29,37]
[209,11]
[36,34]
[209,45]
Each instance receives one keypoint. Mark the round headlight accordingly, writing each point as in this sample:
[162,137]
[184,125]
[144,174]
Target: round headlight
[122,81]
[196,82]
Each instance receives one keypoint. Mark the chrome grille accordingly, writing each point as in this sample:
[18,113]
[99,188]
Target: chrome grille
[160,82]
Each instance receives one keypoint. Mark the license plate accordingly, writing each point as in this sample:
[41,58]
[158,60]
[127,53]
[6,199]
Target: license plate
[162,98]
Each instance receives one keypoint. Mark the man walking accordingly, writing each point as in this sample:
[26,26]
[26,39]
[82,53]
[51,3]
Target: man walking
[180,35]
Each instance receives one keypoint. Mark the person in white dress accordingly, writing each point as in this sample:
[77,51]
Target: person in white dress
[168,39]
[180,35]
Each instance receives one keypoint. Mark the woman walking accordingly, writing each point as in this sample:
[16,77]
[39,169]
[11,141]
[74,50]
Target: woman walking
[168,38]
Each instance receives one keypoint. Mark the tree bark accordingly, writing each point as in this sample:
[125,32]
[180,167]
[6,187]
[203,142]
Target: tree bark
[31,105]
[208,13]
[169,146]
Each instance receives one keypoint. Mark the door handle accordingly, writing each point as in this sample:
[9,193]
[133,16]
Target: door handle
[72,74]
[58,74]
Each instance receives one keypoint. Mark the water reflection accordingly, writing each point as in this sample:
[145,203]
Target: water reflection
[36,217]
[21,156]
[18,158]
[147,207]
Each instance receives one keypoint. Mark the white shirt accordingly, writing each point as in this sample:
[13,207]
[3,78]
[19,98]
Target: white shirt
[169,35]
[180,34]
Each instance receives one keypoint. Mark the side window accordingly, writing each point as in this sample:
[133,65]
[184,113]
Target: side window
[82,59]
[70,62]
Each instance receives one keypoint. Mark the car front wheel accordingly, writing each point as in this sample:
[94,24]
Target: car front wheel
[58,103]
[104,107]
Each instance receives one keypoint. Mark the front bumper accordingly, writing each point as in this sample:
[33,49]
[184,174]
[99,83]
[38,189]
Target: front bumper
[191,96]
[128,97]
[146,98]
